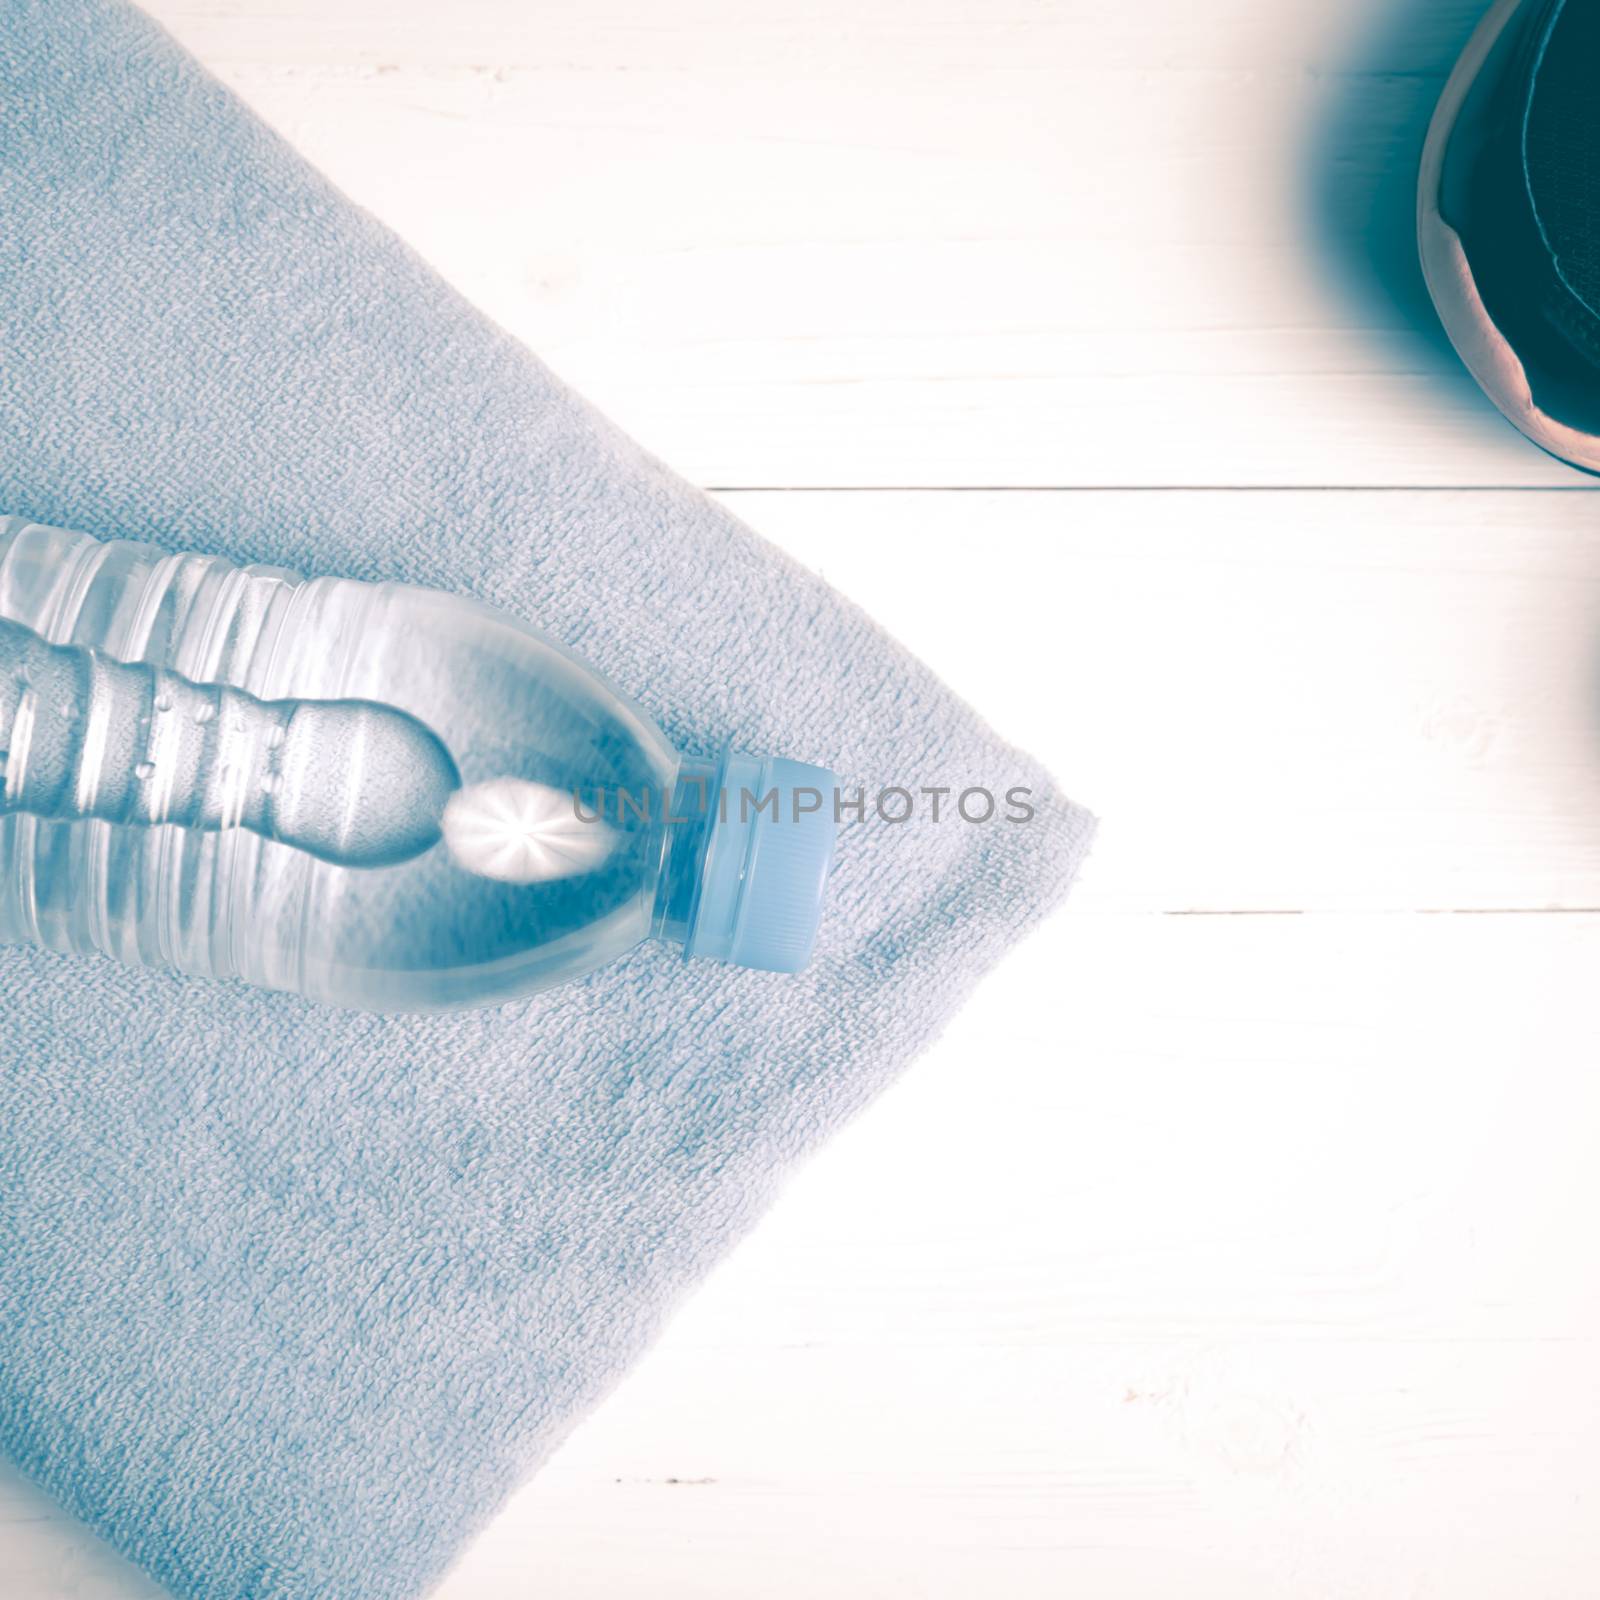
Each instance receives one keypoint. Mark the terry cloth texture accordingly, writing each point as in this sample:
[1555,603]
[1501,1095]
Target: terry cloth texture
[292,1297]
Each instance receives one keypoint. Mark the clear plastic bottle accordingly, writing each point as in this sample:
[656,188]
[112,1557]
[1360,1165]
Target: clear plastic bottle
[373,794]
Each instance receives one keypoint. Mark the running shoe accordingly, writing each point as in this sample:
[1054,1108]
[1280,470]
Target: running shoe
[1508,218]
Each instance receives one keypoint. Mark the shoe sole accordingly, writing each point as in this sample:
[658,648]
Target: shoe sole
[1479,343]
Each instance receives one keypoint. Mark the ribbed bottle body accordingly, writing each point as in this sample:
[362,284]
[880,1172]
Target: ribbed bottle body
[254,776]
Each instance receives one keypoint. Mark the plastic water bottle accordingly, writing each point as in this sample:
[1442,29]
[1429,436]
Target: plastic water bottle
[373,794]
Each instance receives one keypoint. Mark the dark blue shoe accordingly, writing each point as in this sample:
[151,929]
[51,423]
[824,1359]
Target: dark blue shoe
[1508,218]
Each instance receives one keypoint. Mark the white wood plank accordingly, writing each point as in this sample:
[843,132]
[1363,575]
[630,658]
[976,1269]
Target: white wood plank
[1225,1257]
[1274,701]
[865,242]
[1230,1257]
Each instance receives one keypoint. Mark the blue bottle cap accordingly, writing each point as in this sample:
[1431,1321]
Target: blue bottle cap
[766,864]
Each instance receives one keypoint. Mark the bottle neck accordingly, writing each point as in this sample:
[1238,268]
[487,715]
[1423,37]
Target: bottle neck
[686,833]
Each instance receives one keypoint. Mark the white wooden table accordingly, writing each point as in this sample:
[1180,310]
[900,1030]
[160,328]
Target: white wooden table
[1239,1241]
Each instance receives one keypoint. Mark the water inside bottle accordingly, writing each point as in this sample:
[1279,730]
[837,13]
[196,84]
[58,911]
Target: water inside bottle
[353,782]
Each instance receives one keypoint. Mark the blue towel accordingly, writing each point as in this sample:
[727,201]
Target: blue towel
[292,1297]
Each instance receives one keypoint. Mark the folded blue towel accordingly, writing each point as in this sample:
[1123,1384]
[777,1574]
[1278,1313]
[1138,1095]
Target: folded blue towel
[290,1298]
